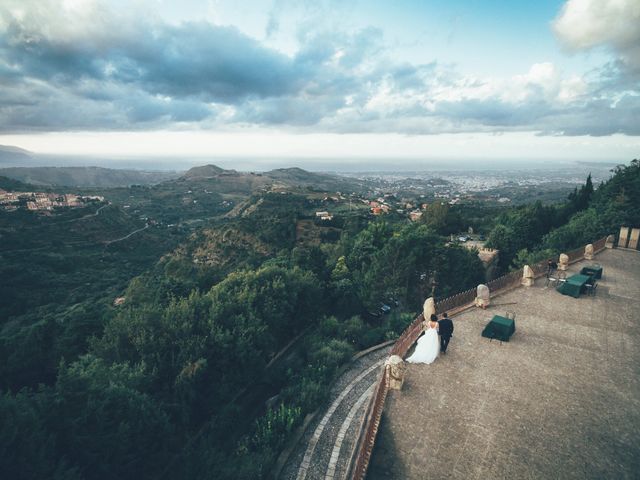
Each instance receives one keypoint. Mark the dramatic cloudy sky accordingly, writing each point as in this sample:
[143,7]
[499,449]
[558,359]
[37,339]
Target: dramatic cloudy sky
[370,78]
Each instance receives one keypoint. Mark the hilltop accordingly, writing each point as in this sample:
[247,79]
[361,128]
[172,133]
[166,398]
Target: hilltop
[10,154]
[318,181]
[204,171]
[214,178]
[232,180]
[15,150]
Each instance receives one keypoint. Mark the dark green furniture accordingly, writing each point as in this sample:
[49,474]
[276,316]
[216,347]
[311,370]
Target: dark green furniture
[500,328]
[594,271]
[574,285]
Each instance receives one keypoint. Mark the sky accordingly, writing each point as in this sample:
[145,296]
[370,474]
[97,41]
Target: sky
[352,80]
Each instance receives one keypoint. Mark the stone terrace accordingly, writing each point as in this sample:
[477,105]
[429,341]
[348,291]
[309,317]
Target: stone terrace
[560,400]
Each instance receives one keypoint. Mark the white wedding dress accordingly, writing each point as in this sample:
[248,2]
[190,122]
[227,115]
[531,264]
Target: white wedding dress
[427,348]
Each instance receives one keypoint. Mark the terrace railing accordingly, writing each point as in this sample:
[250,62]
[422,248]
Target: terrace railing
[408,337]
[456,301]
[599,245]
[369,428]
[576,255]
[505,282]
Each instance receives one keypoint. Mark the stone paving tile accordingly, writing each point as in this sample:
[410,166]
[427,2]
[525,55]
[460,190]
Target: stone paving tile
[560,400]
[322,453]
[350,437]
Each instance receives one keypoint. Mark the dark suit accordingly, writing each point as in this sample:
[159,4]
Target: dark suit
[445,329]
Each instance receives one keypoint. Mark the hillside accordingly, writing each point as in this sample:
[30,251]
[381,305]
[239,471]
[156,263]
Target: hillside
[232,181]
[125,327]
[318,181]
[212,177]
[63,271]
[11,155]
[204,171]
[12,185]
[85,176]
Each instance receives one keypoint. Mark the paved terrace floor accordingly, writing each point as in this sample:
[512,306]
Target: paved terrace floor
[560,400]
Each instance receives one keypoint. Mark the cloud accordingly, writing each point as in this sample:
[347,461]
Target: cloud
[218,63]
[195,64]
[89,65]
[587,24]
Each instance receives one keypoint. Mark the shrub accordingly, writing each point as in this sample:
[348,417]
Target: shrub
[331,354]
[329,327]
[273,429]
[352,331]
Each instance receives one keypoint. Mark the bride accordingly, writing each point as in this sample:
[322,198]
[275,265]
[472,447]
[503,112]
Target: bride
[428,345]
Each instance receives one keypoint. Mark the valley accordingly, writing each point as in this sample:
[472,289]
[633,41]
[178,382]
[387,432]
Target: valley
[204,298]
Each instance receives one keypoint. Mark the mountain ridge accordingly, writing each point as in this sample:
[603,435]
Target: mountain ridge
[10,154]
[204,171]
[14,149]
[226,180]
[279,177]
[85,176]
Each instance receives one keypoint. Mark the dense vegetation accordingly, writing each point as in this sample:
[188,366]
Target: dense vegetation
[533,232]
[59,277]
[239,315]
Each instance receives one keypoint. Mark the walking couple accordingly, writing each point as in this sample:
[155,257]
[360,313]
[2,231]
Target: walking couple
[428,344]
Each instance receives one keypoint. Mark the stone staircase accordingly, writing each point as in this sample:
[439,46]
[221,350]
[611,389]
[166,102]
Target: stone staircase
[325,447]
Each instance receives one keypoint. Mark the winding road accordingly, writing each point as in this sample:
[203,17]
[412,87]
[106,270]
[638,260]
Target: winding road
[109,242]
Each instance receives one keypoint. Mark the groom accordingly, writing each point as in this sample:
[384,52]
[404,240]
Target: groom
[445,329]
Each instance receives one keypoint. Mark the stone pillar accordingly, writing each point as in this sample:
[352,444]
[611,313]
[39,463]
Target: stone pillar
[528,278]
[428,308]
[483,296]
[623,238]
[634,239]
[396,368]
[610,242]
[563,262]
[588,252]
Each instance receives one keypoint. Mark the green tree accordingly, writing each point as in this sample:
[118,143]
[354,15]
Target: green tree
[441,218]
[584,227]
[399,267]
[28,449]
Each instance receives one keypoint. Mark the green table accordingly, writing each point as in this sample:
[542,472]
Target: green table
[574,285]
[592,270]
[500,328]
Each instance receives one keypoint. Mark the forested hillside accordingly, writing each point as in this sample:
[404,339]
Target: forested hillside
[85,176]
[531,233]
[216,323]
